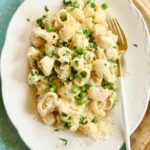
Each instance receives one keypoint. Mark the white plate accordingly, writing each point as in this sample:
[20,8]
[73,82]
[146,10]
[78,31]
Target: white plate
[16,91]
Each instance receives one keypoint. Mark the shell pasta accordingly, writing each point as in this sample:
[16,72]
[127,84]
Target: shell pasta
[73,61]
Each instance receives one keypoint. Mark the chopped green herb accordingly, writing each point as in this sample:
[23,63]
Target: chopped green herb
[108,85]
[76,62]
[46,9]
[94,58]
[116,47]
[41,55]
[73,71]
[35,72]
[40,21]
[57,63]
[104,6]
[93,45]
[64,114]
[56,130]
[55,30]
[95,119]
[66,53]
[52,88]
[93,5]
[135,45]
[51,80]
[66,2]
[80,51]
[75,5]
[64,43]
[33,78]
[65,63]
[49,28]
[64,140]
[68,123]
[112,60]
[28,19]
[88,2]
[83,121]
[74,90]
[78,32]
[49,53]
[88,34]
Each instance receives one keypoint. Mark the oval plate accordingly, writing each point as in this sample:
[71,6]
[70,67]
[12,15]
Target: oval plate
[20,105]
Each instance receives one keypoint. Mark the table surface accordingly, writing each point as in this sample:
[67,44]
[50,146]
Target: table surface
[9,138]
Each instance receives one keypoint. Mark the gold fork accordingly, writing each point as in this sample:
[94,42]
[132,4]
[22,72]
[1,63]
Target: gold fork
[115,27]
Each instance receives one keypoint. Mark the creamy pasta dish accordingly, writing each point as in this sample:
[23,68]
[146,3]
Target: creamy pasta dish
[73,66]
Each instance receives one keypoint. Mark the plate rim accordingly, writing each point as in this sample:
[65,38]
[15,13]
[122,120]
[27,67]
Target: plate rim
[141,18]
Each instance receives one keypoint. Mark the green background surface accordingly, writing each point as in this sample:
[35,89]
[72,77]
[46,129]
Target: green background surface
[9,138]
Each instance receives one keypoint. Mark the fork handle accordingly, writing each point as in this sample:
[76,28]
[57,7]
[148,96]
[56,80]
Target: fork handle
[124,114]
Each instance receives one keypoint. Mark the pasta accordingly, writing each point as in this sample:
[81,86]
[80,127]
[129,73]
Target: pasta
[74,59]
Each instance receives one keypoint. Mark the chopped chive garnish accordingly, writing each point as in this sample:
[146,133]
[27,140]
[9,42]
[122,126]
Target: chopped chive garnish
[108,85]
[28,19]
[83,121]
[64,140]
[80,51]
[68,123]
[56,130]
[93,45]
[115,47]
[104,6]
[135,45]
[95,119]
[64,114]
[66,53]
[33,78]
[112,60]
[52,89]
[57,63]
[78,32]
[75,5]
[88,2]
[66,2]
[46,9]
[88,33]
[49,53]
[76,62]
[39,21]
